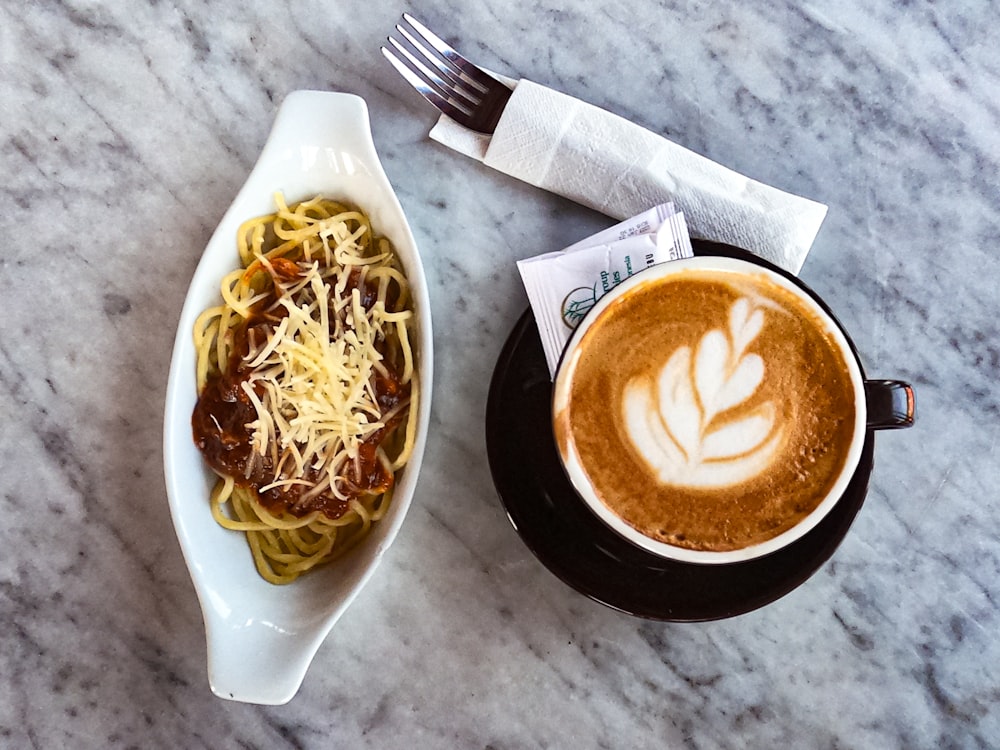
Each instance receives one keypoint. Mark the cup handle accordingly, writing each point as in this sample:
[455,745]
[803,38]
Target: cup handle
[890,404]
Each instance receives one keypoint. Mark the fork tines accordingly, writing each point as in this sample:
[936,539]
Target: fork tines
[445,78]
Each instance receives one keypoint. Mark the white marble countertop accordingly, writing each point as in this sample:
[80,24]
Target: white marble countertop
[126,130]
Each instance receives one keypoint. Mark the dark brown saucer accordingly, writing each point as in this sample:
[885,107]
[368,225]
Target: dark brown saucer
[587,555]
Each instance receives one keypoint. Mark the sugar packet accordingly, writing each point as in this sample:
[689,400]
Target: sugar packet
[563,285]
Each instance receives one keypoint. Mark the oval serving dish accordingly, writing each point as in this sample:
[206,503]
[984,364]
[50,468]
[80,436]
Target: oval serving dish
[261,638]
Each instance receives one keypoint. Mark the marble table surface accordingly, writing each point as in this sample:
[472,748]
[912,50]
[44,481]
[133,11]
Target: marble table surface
[126,130]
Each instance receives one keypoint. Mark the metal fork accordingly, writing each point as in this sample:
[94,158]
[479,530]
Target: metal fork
[464,92]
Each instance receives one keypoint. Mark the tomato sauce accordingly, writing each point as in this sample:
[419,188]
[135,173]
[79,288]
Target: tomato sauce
[224,412]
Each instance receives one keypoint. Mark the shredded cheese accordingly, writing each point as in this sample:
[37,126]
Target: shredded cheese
[317,404]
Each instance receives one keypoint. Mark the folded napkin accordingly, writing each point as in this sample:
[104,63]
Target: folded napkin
[607,163]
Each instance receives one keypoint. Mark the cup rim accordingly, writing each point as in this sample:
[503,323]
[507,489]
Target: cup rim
[574,470]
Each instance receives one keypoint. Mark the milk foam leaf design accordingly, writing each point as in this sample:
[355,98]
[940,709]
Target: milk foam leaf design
[646,426]
[720,387]
[678,407]
[729,440]
[745,323]
[677,424]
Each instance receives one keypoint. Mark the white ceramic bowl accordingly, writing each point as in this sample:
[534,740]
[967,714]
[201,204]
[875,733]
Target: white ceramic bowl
[261,638]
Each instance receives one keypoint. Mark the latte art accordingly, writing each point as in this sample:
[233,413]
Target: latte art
[678,422]
[707,409]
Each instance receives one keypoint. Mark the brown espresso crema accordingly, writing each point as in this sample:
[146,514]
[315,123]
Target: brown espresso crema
[710,410]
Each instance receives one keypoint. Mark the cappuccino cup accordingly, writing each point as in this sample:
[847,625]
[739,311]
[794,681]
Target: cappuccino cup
[711,410]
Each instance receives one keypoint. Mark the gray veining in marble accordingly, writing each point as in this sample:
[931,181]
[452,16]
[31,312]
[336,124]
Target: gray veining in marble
[125,131]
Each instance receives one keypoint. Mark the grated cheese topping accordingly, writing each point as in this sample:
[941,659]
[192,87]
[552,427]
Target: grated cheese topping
[315,374]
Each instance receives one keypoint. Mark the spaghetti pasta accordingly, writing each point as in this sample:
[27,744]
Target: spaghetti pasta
[307,385]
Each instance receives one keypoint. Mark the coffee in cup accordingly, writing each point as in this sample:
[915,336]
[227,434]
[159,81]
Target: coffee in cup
[709,410]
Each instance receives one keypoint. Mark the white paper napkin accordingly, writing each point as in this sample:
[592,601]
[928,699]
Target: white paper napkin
[603,161]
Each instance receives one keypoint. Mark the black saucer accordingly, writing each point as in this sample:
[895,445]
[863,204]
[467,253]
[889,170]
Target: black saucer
[580,549]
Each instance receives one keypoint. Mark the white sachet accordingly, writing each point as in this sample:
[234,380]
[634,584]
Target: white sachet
[601,160]
[563,285]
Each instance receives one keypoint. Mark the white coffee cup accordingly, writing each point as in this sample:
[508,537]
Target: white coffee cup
[877,405]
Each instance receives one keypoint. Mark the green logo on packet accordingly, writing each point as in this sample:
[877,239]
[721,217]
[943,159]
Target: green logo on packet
[577,304]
